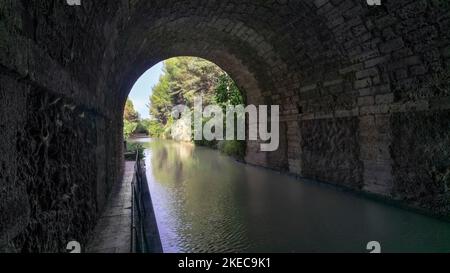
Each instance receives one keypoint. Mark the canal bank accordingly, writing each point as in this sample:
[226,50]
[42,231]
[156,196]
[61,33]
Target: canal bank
[128,223]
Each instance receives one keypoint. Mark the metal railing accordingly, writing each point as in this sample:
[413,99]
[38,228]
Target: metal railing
[139,243]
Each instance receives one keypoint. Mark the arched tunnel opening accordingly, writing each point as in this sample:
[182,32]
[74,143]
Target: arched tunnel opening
[363,93]
[192,78]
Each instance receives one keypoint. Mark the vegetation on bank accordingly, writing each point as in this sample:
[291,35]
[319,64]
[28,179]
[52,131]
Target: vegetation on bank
[131,150]
[133,125]
[185,78]
[132,122]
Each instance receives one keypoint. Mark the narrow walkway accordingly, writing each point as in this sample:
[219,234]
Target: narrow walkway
[113,231]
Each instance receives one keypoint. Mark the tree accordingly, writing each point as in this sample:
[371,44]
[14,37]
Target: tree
[190,77]
[227,93]
[131,119]
[185,78]
[129,128]
[161,100]
[129,113]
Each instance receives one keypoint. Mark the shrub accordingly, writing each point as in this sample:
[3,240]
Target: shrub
[128,128]
[132,148]
[156,129]
[234,148]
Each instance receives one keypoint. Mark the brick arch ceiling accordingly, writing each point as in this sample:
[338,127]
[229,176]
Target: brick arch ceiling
[274,45]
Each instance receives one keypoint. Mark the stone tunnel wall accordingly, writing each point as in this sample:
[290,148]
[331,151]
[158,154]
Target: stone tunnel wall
[364,94]
[60,151]
[56,167]
[397,102]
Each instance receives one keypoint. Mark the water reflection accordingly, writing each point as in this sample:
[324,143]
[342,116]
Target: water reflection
[206,202]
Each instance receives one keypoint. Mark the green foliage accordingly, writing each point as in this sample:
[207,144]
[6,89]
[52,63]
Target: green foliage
[189,77]
[141,129]
[132,149]
[185,78]
[227,93]
[156,129]
[146,123]
[144,126]
[161,100]
[129,128]
[166,132]
[129,113]
[233,148]
[211,144]
[132,124]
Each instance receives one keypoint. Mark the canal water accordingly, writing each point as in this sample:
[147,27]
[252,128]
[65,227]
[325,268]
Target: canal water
[207,202]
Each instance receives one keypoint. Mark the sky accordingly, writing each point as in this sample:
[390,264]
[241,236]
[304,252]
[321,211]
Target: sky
[142,89]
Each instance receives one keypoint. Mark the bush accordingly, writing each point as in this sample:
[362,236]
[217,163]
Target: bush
[156,129]
[128,128]
[234,148]
[205,143]
[141,129]
[132,148]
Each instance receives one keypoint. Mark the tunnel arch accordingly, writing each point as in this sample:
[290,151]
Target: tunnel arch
[361,89]
[249,88]
[241,47]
